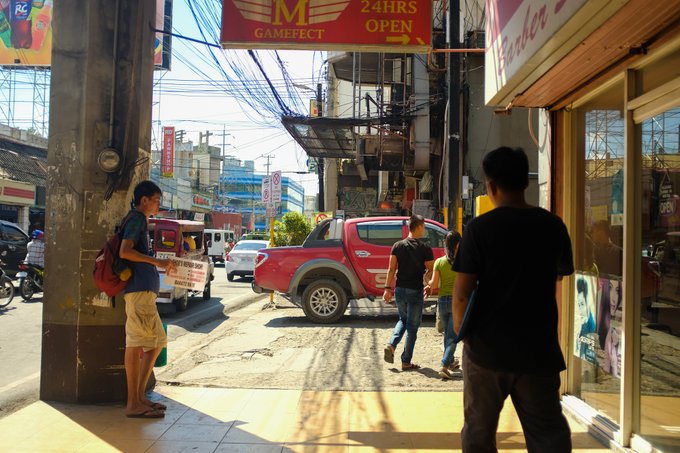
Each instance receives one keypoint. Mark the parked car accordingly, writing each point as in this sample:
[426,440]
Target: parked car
[13,241]
[340,260]
[241,259]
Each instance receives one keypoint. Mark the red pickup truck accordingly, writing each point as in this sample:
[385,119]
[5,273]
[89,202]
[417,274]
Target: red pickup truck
[340,260]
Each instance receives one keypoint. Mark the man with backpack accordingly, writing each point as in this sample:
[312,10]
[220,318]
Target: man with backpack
[144,333]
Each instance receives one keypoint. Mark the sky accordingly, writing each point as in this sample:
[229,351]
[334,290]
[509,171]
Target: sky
[196,95]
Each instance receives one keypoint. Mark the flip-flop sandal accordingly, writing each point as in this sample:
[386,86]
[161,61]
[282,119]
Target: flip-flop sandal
[389,355]
[153,413]
[410,367]
[158,406]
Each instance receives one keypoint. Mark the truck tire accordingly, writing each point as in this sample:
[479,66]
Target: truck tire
[183,302]
[230,276]
[324,301]
[206,292]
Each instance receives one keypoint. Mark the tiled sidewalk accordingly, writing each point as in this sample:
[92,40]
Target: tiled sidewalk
[249,420]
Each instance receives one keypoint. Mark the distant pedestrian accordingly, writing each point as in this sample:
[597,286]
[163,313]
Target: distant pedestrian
[443,277]
[513,255]
[144,333]
[411,260]
[35,250]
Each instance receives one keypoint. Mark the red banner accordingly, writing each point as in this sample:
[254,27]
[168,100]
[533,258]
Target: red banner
[371,25]
[168,157]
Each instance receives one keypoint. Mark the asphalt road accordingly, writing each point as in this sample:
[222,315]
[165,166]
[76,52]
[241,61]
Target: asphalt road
[21,326]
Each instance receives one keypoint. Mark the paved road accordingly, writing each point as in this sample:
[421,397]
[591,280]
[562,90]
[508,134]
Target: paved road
[21,326]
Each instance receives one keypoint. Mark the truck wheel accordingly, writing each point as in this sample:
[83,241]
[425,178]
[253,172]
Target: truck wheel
[324,301]
[206,292]
[230,276]
[183,302]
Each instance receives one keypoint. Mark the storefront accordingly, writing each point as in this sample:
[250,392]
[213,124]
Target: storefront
[606,78]
[16,199]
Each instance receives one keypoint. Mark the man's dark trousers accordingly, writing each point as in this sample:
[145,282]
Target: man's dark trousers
[536,400]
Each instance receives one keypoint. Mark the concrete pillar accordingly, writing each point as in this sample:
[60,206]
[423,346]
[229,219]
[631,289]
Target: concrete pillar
[83,333]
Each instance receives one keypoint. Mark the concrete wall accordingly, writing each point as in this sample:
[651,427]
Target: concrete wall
[487,131]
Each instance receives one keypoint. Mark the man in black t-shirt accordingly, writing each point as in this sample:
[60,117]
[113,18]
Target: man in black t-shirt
[513,255]
[410,258]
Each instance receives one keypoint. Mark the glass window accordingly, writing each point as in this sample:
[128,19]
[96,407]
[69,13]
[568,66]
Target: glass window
[165,239]
[385,234]
[208,236]
[660,282]
[218,237]
[595,359]
[434,237]
[242,246]
[13,234]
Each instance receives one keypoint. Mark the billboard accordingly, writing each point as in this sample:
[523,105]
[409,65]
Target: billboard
[168,156]
[25,32]
[162,42]
[366,25]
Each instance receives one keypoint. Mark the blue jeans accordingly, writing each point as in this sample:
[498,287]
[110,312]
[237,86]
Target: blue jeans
[446,314]
[410,305]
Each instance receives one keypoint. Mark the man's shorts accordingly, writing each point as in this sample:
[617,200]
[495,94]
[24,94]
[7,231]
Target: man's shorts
[143,327]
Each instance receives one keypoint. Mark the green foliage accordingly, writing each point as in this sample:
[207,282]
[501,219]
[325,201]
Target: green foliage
[292,229]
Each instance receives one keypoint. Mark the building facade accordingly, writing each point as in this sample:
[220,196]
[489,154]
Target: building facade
[604,80]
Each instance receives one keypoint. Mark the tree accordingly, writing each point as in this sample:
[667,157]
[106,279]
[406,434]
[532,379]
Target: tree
[292,229]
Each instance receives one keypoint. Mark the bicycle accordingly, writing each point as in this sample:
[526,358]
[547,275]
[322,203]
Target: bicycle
[6,287]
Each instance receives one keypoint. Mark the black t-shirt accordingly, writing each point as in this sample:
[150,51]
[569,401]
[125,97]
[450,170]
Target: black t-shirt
[517,255]
[411,257]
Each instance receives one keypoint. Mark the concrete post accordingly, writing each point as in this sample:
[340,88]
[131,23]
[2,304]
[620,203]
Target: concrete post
[83,333]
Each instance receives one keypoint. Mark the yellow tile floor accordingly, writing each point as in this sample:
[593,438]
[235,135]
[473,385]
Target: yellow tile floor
[250,420]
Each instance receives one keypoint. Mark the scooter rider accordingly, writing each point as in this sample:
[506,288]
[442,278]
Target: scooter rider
[36,250]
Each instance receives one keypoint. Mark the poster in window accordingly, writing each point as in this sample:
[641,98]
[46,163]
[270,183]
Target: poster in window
[585,329]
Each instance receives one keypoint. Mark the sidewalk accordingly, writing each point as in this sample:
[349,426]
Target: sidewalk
[253,420]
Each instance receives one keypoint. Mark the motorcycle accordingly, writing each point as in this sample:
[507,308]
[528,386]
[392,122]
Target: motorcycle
[6,287]
[30,280]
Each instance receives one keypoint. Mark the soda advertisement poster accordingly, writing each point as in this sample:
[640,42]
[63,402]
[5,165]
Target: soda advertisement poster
[371,25]
[25,32]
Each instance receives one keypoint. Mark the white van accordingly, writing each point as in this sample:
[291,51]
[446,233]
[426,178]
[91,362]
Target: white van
[216,240]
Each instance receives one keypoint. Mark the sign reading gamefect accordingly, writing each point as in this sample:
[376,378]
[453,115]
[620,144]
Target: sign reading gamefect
[389,25]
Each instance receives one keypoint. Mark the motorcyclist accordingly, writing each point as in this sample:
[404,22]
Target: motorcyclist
[36,250]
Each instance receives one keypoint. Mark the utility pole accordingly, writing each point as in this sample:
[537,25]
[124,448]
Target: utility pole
[207,138]
[453,34]
[179,135]
[224,146]
[320,162]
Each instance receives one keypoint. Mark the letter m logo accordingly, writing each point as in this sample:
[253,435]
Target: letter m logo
[280,8]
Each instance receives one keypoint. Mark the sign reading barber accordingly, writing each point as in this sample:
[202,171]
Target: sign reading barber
[369,25]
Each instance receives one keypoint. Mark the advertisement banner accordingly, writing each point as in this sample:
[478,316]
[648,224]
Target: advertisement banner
[188,274]
[366,25]
[168,156]
[25,32]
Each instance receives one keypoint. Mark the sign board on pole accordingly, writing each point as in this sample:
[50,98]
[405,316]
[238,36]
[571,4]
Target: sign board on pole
[271,211]
[168,157]
[188,274]
[266,191]
[276,186]
[348,25]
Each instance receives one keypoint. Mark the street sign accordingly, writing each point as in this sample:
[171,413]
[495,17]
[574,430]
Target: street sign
[271,211]
[276,186]
[266,191]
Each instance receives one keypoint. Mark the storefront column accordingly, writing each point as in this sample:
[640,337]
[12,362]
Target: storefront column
[632,246]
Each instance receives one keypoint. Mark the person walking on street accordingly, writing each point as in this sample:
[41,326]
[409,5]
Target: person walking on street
[409,260]
[513,255]
[443,277]
[144,333]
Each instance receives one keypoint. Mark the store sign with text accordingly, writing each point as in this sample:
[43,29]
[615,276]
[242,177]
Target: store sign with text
[168,157]
[375,25]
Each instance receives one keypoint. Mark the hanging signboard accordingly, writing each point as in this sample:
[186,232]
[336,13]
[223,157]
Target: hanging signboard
[25,32]
[168,156]
[368,25]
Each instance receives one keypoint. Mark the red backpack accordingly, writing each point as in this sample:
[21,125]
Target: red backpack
[111,273]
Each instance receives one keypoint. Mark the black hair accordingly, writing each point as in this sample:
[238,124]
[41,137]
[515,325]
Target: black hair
[452,240]
[507,168]
[582,286]
[145,189]
[415,221]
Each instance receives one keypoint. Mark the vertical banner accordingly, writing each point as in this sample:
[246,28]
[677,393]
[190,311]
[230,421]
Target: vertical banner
[168,156]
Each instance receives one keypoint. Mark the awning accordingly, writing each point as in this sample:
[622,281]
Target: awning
[326,137]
